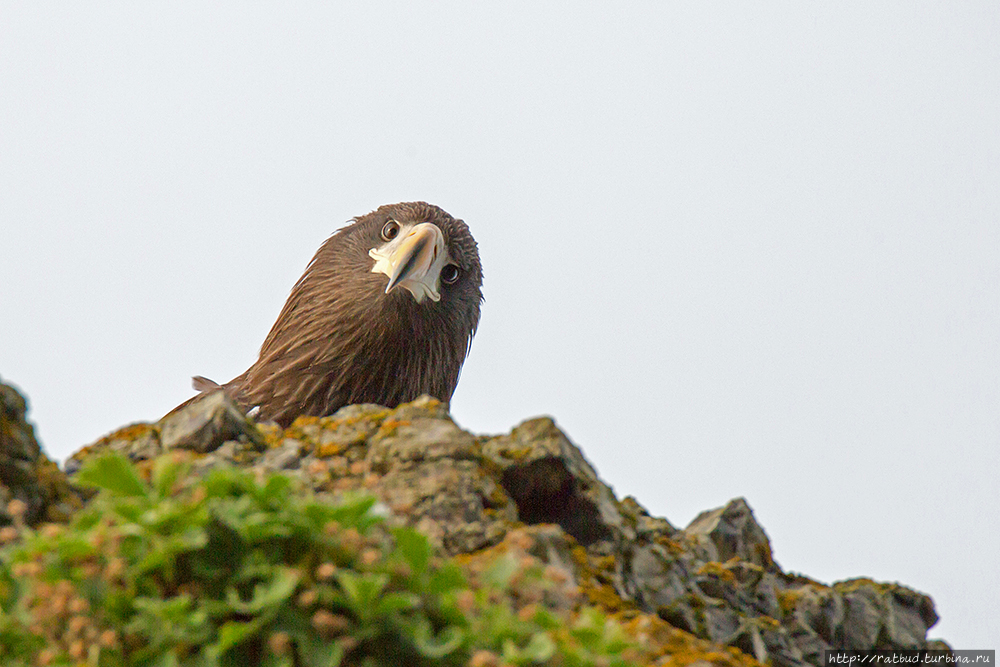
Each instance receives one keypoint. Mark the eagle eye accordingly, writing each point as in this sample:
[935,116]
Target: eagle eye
[390,230]
[450,274]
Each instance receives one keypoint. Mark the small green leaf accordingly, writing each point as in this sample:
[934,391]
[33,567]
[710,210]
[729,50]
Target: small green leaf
[431,646]
[448,578]
[166,472]
[275,490]
[540,648]
[320,653]
[113,473]
[414,548]
[392,603]
[234,633]
[361,591]
[266,595]
[501,571]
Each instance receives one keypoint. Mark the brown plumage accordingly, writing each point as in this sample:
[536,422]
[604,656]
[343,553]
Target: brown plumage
[362,324]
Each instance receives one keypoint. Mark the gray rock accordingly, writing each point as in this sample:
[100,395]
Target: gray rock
[863,614]
[909,616]
[430,475]
[449,501]
[419,439]
[351,426]
[732,532]
[206,423]
[284,457]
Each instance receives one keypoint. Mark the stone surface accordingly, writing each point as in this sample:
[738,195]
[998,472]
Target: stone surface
[206,423]
[732,532]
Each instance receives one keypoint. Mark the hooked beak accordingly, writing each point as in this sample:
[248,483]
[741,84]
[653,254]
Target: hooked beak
[413,260]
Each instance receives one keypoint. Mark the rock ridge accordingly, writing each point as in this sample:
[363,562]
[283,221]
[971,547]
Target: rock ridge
[715,579]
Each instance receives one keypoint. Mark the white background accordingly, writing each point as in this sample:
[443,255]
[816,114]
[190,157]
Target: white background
[734,248]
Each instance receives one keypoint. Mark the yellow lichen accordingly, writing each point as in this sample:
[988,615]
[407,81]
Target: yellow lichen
[718,570]
[330,449]
[664,644]
[515,453]
[673,546]
[789,599]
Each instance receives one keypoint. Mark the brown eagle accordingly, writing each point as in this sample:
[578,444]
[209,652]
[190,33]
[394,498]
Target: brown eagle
[384,312]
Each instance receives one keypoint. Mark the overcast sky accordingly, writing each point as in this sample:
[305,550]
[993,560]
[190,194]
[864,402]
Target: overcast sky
[735,249]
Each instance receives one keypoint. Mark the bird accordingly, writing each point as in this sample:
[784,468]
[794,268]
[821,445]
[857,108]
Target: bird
[385,312]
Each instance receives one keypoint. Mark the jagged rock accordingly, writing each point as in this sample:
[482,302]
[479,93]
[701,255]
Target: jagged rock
[882,616]
[732,532]
[206,423]
[26,474]
[645,526]
[551,482]
[715,580]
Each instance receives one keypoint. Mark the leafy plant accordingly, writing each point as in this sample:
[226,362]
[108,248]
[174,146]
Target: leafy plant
[228,570]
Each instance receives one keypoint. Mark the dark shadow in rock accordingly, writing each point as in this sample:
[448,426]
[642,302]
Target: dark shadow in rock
[545,492]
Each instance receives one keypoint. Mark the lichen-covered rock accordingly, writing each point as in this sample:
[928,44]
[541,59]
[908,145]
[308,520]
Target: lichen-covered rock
[532,493]
[26,474]
[551,482]
[430,473]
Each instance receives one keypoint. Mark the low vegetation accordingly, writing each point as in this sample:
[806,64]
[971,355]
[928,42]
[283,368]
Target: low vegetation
[167,569]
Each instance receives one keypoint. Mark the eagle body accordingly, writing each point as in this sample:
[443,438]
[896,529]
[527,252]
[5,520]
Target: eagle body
[385,311]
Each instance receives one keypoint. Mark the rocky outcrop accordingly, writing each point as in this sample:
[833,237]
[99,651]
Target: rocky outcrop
[32,488]
[716,579]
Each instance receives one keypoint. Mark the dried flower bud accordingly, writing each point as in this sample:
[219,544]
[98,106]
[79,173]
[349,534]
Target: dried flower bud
[484,659]
[51,530]
[351,539]
[78,650]
[466,601]
[307,598]
[527,612]
[325,571]
[280,643]
[329,624]
[76,625]
[520,539]
[78,605]
[16,508]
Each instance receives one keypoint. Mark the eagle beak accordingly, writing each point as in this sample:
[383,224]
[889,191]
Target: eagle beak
[413,260]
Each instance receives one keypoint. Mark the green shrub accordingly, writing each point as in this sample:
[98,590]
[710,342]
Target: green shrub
[229,570]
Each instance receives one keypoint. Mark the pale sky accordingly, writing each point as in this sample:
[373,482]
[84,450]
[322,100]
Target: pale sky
[735,249]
